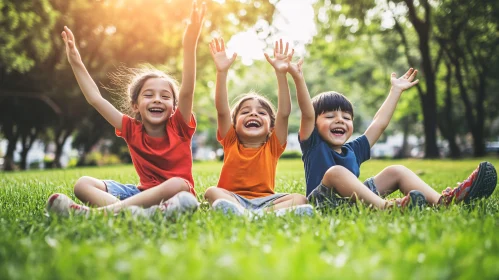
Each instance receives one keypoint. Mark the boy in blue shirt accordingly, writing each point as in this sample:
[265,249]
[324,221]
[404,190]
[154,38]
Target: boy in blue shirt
[332,167]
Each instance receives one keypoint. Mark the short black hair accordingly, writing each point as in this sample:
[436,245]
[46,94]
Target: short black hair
[331,101]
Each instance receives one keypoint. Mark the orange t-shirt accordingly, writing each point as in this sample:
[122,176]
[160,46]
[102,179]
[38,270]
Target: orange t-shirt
[157,159]
[249,172]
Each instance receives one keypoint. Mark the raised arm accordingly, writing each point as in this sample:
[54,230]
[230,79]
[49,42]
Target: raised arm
[190,41]
[280,62]
[385,112]
[222,63]
[307,122]
[87,84]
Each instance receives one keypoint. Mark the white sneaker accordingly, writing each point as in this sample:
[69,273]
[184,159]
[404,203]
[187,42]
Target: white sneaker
[181,203]
[137,211]
[62,205]
[300,210]
[228,207]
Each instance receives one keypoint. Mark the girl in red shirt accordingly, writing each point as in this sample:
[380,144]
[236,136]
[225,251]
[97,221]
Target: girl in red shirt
[158,137]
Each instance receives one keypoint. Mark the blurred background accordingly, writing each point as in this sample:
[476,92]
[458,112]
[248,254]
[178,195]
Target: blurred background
[348,46]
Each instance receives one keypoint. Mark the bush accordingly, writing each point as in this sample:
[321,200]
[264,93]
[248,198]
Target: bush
[291,154]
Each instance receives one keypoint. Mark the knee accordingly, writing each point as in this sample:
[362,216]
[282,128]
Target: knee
[395,171]
[335,173]
[179,183]
[210,193]
[82,183]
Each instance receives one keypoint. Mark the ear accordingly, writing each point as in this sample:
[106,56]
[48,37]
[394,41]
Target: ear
[135,107]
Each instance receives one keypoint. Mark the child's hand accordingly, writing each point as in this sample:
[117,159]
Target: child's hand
[217,50]
[193,29]
[295,69]
[281,59]
[406,81]
[71,50]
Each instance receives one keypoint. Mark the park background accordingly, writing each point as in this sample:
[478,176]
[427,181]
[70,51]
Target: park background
[450,122]
[348,46]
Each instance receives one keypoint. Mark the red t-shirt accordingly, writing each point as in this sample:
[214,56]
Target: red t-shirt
[157,159]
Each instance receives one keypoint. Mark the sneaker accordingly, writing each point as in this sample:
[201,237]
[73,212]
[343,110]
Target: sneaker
[62,205]
[137,211]
[300,210]
[414,199]
[481,183]
[181,203]
[228,207]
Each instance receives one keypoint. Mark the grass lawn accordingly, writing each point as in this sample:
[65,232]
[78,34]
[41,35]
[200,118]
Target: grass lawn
[446,243]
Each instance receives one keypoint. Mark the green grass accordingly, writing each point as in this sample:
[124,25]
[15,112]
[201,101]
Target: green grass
[446,243]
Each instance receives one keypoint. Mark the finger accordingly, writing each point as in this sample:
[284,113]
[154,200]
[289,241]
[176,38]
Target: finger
[286,50]
[69,33]
[212,49]
[280,46]
[222,44]
[203,11]
[415,82]
[217,44]
[194,11]
[413,75]
[276,47]
[268,58]
[290,56]
[300,62]
[394,75]
[234,56]
[64,37]
[408,73]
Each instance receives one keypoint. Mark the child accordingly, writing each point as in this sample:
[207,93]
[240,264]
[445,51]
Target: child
[332,167]
[253,138]
[158,137]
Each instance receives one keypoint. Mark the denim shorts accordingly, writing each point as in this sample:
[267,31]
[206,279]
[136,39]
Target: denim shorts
[259,202]
[324,197]
[119,190]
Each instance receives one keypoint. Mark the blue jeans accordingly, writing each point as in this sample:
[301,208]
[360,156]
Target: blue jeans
[119,190]
[259,202]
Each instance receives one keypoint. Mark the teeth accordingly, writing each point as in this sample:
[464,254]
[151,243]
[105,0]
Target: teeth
[252,122]
[155,110]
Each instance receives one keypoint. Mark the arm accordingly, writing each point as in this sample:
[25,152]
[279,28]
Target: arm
[87,85]
[191,36]
[385,112]
[222,63]
[307,123]
[280,62]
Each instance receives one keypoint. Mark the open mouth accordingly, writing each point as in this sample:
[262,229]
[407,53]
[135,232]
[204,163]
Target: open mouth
[156,110]
[252,124]
[338,131]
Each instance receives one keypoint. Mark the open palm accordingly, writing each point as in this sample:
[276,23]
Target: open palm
[406,81]
[217,49]
[194,26]
[281,59]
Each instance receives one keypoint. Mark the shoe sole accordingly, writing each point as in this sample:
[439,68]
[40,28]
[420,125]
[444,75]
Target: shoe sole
[484,184]
[54,203]
[418,200]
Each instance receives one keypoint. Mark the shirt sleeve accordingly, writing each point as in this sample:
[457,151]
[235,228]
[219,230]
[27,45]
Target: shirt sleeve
[275,146]
[311,142]
[185,130]
[229,139]
[361,148]
[126,127]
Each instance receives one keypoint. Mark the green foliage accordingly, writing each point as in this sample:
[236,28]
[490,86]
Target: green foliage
[349,243]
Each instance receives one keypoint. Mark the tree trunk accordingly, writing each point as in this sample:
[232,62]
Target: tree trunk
[447,126]
[28,137]
[60,139]
[11,133]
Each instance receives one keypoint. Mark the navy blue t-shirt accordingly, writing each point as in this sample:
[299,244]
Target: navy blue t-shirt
[318,157]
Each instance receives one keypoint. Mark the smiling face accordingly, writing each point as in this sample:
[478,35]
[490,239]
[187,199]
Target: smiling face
[335,127]
[253,122]
[155,102]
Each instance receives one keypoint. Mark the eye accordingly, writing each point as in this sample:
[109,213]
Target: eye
[167,97]
[262,113]
[347,118]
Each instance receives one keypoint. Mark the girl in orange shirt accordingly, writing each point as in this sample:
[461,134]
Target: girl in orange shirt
[253,137]
[158,137]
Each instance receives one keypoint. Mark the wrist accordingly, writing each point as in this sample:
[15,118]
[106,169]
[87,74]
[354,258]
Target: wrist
[280,74]
[396,90]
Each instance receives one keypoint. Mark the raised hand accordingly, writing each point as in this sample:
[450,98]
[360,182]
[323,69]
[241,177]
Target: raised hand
[295,69]
[406,81]
[281,59]
[69,41]
[217,50]
[193,29]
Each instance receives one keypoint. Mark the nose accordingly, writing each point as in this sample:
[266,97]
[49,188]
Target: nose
[253,113]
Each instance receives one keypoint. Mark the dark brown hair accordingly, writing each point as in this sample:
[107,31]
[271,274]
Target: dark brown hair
[331,101]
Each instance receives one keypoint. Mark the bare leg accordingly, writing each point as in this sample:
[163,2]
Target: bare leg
[346,184]
[287,201]
[94,192]
[398,177]
[214,193]
[152,196]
